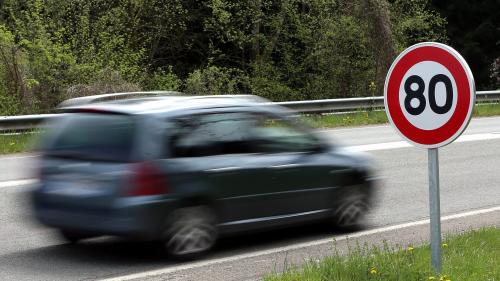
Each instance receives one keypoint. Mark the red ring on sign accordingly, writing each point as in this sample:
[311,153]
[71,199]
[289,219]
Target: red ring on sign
[448,130]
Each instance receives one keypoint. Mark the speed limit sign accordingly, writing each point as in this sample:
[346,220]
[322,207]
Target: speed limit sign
[429,94]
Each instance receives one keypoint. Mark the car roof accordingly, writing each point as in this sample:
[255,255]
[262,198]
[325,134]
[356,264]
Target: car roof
[170,103]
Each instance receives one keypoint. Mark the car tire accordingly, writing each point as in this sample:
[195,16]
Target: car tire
[349,212]
[190,232]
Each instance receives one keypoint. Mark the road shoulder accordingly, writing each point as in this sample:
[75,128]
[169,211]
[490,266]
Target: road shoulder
[253,266]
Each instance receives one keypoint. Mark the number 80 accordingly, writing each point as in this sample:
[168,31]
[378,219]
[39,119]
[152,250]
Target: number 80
[419,94]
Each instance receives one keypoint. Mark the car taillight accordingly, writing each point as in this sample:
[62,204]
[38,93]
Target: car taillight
[148,180]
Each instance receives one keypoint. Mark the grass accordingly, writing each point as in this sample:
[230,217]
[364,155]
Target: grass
[346,119]
[379,117]
[473,256]
[486,109]
[13,143]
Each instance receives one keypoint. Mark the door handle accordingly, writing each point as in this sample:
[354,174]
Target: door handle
[223,169]
[283,166]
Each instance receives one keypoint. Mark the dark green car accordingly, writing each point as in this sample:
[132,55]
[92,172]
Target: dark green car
[185,170]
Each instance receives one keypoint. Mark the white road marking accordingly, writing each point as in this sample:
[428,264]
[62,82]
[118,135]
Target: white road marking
[354,128]
[151,273]
[2,158]
[401,144]
[380,146]
[17,182]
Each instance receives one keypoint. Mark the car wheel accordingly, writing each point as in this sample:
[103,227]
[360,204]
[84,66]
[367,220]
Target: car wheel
[350,211]
[190,232]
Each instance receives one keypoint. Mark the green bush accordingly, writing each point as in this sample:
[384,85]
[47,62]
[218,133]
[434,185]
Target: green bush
[106,81]
[164,80]
[214,80]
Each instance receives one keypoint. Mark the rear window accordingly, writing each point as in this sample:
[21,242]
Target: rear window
[99,137]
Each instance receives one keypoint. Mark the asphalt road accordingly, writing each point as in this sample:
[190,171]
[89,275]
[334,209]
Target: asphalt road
[470,180]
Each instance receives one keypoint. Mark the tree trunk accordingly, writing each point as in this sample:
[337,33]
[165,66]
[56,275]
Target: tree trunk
[256,31]
[377,16]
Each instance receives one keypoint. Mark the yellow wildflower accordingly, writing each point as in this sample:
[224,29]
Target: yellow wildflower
[431,278]
[445,245]
[410,249]
[373,270]
[444,278]
[372,87]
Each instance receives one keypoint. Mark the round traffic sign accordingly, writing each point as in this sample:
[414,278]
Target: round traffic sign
[429,94]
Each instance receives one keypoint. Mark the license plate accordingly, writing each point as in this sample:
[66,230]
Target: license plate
[75,189]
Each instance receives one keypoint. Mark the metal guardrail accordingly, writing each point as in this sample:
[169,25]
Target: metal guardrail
[351,104]
[23,122]
[26,122]
[339,105]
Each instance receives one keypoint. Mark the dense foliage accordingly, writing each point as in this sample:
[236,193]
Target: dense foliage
[283,50]
[474,30]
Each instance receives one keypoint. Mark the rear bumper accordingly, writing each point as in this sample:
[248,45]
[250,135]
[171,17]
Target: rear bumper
[133,217]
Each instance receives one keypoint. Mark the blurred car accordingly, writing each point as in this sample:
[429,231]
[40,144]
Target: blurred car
[184,170]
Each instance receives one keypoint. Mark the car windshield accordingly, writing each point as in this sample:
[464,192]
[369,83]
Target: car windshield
[99,137]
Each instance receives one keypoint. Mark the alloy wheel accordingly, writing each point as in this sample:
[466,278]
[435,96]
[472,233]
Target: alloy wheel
[192,231]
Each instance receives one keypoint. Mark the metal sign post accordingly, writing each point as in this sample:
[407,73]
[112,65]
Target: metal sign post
[435,213]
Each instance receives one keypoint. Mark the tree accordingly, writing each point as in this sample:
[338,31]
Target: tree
[282,50]
[473,29]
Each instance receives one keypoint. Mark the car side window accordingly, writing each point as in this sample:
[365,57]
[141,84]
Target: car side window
[273,135]
[211,134]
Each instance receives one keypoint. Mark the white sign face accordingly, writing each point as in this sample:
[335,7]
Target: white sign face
[429,94]
[425,72]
